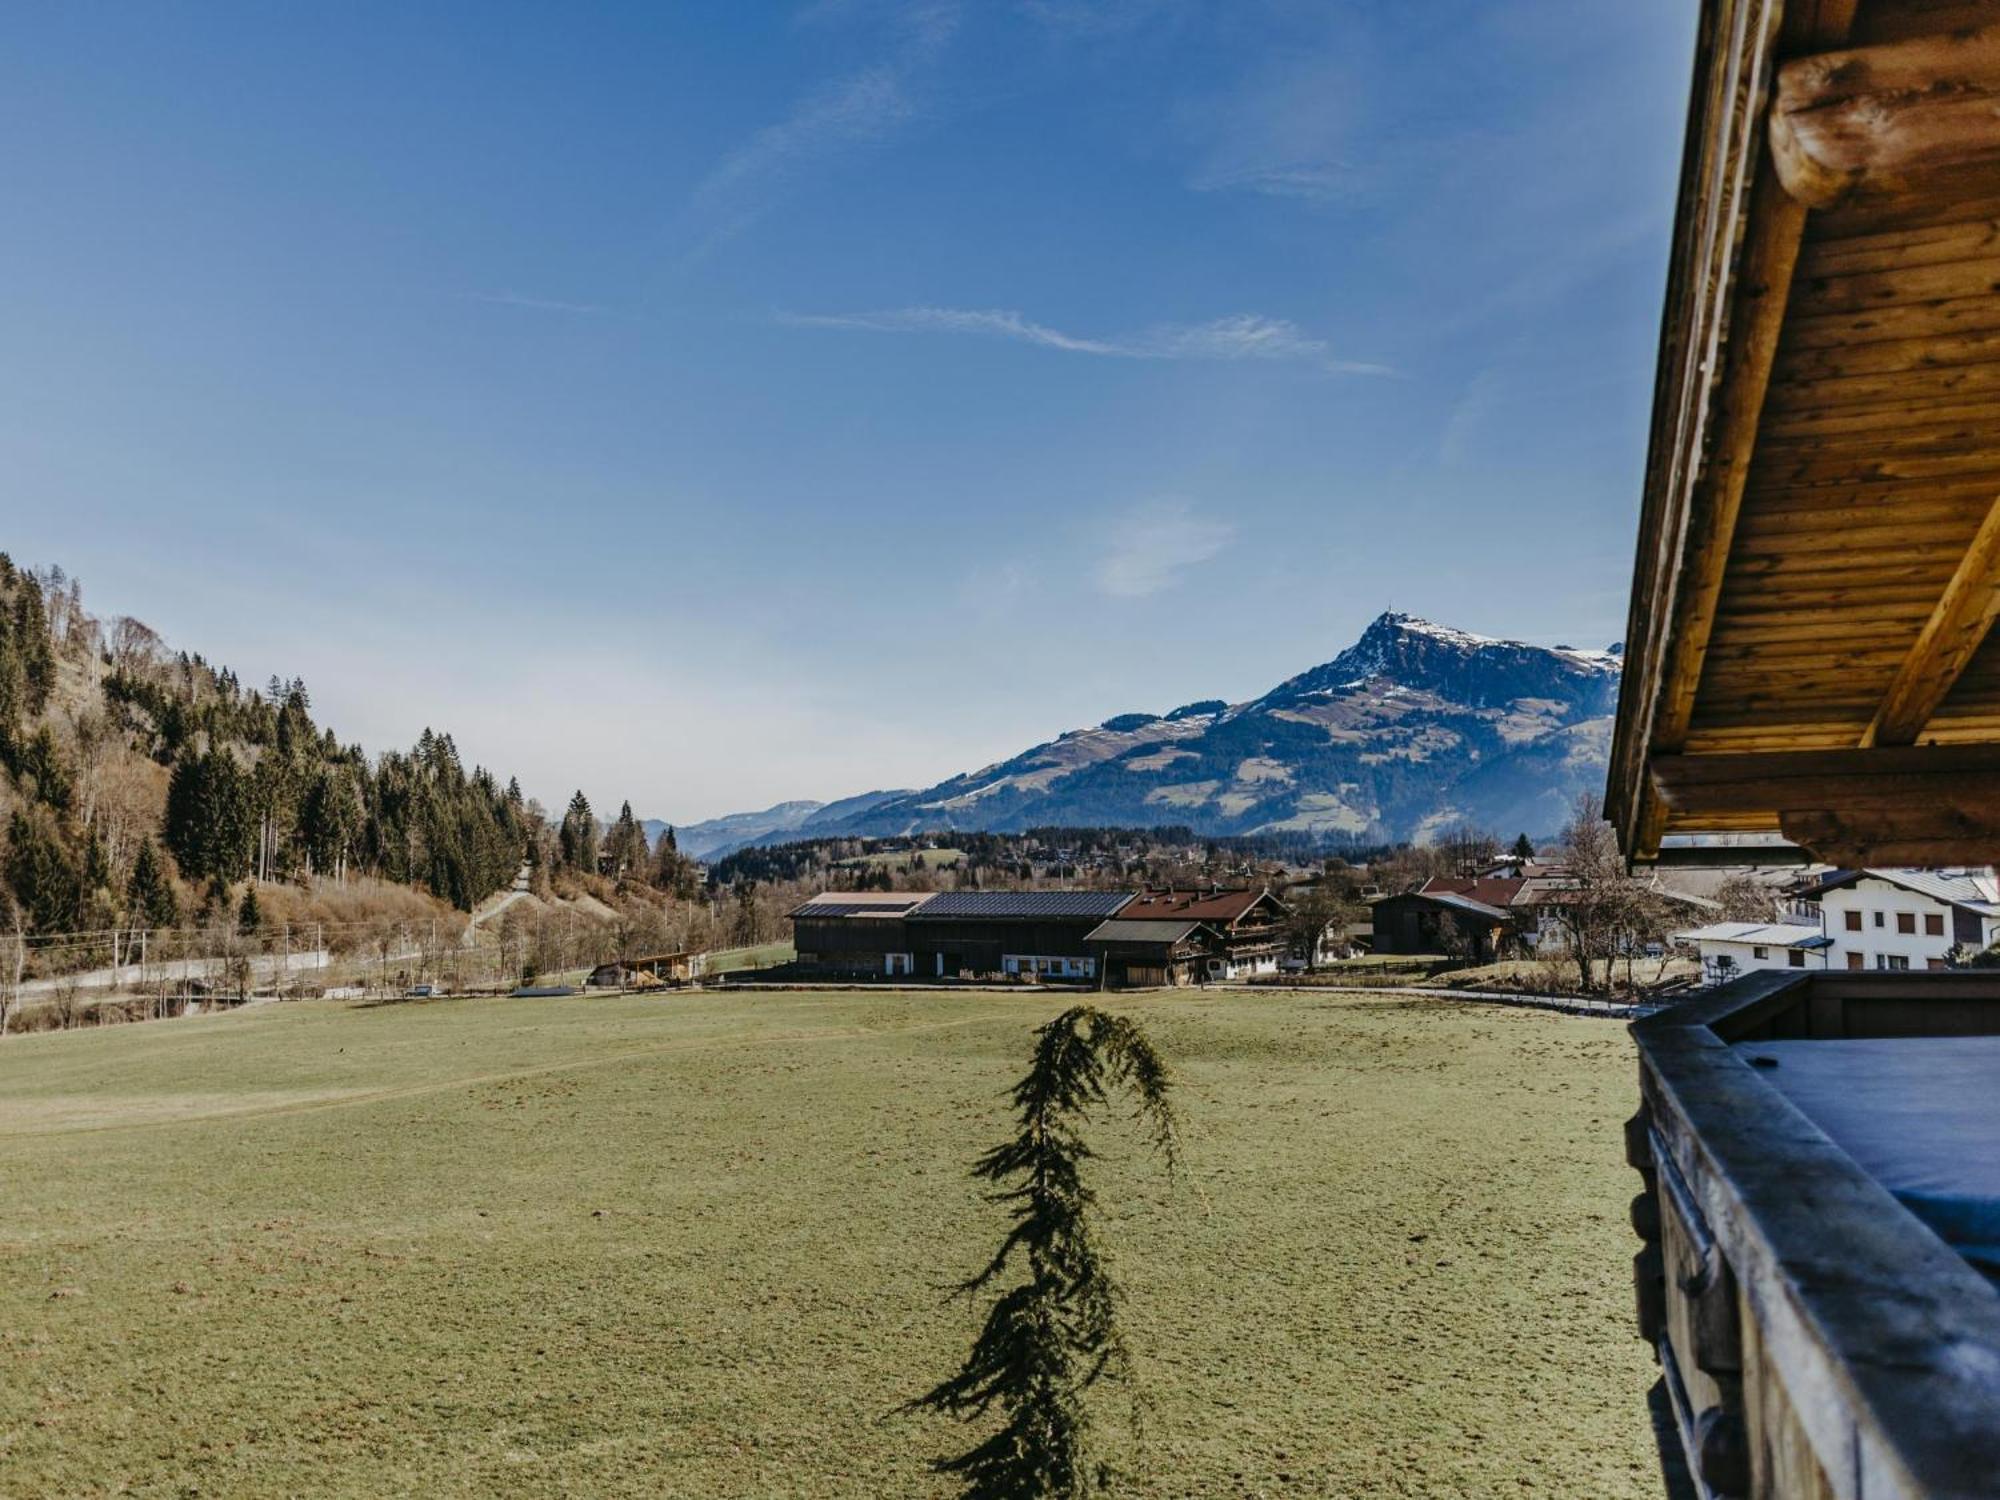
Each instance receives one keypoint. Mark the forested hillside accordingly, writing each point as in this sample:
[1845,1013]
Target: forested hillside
[142,787]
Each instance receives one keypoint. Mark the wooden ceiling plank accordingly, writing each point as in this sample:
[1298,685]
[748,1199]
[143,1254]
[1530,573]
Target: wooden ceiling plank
[1929,319]
[1857,423]
[1886,356]
[1915,390]
[1973,238]
[1945,645]
[1912,18]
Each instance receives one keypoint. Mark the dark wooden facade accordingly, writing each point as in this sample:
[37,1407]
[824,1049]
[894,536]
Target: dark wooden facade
[1146,954]
[946,947]
[855,934]
[845,946]
[1415,922]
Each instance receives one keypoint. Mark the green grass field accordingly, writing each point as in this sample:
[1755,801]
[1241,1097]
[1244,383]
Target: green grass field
[762,956]
[693,1246]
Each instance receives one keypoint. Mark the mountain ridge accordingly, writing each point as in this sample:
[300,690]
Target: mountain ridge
[1414,728]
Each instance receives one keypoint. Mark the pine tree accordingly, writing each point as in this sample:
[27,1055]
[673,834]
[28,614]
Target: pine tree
[578,836]
[44,878]
[1524,848]
[248,917]
[211,827]
[626,844]
[149,895]
[34,646]
[1048,1340]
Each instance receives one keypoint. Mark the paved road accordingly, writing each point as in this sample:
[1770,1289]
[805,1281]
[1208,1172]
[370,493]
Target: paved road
[264,966]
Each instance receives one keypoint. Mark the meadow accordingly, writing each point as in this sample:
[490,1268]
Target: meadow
[698,1245]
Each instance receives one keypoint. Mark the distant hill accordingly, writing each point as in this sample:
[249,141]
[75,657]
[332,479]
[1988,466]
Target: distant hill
[1412,729]
[725,835]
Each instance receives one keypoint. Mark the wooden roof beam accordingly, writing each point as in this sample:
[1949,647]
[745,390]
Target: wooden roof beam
[1763,285]
[1933,804]
[1886,119]
[1950,637]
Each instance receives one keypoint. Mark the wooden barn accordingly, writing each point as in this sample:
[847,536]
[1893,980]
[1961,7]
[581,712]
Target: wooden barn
[855,934]
[1016,933]
[1810,667]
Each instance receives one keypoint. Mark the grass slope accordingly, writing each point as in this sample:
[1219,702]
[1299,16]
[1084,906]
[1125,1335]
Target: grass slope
[692,1246]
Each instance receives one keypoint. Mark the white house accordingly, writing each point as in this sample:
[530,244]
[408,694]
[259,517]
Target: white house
[1907,919]
[1730,949]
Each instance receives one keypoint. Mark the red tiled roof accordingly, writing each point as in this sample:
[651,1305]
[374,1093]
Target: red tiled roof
[1195,906]
[1497,891]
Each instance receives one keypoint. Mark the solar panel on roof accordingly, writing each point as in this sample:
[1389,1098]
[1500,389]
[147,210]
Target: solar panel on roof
[834,907]
[1023,904]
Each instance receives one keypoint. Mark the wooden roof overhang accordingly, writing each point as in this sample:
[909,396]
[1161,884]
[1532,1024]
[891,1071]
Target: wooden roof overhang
[1818,567]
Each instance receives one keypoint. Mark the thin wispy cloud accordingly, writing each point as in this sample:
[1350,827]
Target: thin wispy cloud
[1283,132]
[1150,545]
[532,304]
[1244,336]
[859,110]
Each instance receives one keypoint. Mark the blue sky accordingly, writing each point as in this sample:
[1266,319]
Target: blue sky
[714,403]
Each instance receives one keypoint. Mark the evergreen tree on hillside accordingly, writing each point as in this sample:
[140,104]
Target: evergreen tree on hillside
[210,826]
[13,680]
[149,895]
[577,838]
[35,648]
[45,880]
[249,917]
[626,844]
[41,771]
[331,820]
[1524,848]
[673,871]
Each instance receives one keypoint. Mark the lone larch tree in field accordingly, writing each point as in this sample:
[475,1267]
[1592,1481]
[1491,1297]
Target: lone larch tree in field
[1053,1336]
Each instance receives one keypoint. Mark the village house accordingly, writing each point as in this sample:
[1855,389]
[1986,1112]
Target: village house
[1907,919]
[1732,948]
[1249,926]
[1440,921]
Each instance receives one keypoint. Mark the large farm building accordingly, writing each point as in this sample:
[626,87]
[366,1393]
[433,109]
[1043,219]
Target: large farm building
[1110,938]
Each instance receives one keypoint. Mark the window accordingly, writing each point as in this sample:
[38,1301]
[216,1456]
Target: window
[1878,919]
[1935,963]
[1796,958]
[1853,920]
[1906,922]
[1760,952]
[1933,924]
[1891,961]
[1856,961]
